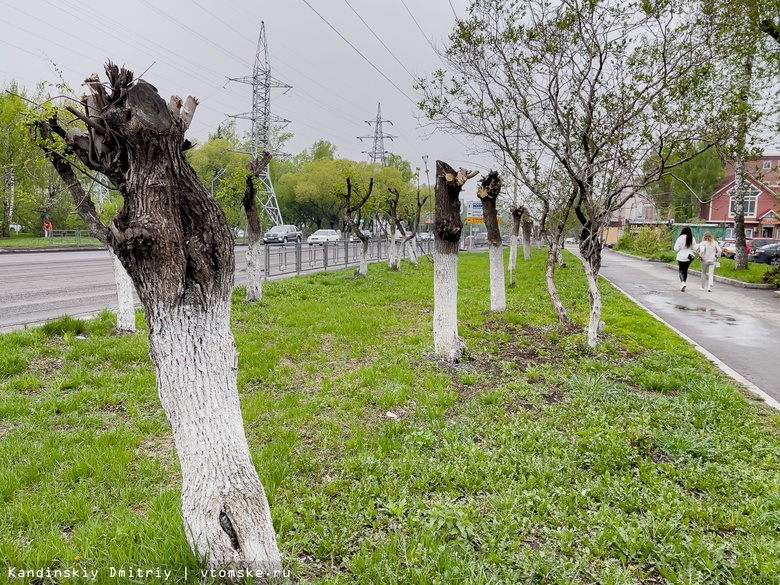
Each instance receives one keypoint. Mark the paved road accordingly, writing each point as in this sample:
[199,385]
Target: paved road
[740,326]
[39,286]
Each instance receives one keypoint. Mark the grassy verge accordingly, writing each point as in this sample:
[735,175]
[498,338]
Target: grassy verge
[27,241]
[534,461]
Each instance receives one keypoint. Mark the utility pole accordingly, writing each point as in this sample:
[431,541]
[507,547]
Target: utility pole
[378,152]
[261,117]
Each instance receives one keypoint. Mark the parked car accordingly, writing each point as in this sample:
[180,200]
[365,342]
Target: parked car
[758,242]
[729,248]
[15,227]
[353,237]
[282,234]
[322,236]
[769,254]
[480,239]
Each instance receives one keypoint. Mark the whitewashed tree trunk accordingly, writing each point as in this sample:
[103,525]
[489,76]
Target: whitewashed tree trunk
[174,242]
[512,258]
[391,251]
[448,227]
[497,287]
[125,314]
[527,228]
[254,272]
[446,340]
[225,509]
[594,298]
[363,269]
[552,289]
[412,252]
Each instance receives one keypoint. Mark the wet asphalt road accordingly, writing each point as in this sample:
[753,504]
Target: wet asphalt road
[740,326]
[39,286]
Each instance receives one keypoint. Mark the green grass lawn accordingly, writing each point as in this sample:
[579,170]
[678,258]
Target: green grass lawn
[535,461]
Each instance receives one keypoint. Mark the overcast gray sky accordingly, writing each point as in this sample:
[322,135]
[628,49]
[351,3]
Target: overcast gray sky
[192,47]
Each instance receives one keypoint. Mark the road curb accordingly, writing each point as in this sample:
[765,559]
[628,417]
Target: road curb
[736,376]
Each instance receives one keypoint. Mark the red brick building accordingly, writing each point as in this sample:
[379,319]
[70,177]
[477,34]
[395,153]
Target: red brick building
[762,204]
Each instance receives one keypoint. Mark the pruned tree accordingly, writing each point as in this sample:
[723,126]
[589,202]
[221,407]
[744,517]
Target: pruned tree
[488,192]
[447,230]
[353,209]
[254,270]
[599,86]
[173,240]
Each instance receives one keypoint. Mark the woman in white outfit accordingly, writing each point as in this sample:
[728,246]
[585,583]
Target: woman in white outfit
[709,252]
[684,246]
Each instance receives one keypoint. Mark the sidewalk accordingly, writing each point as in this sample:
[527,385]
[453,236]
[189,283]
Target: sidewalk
[737,326]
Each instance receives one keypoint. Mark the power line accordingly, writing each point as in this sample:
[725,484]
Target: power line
[359,53]
[380,40]
[422,32]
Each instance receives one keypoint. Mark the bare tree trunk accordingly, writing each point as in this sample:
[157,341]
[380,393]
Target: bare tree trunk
[254,263]
[517,214]
[363,270]
[527,228]
[488,192]
[411,252]
[552,289]
[448,227]
[741,186]
[594,300]
[125,315]
[173,239]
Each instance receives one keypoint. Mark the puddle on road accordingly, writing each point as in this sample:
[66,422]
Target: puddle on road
[711,314]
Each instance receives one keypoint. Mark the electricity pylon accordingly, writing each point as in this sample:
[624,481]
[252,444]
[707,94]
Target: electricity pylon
[262,118]
[378,152]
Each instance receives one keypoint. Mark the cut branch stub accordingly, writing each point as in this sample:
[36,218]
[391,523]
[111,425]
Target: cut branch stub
[488,192]
[448,225]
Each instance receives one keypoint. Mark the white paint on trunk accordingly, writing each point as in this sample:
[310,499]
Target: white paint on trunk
[446,341]
[196,361]
[254,272]
[391,252]
[527,243]
[363,270]
[125,315]
[512,258]
[594,298]
[411,252]
[497,287]
[552,289]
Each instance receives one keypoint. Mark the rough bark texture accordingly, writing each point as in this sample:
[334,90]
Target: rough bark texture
[173,239]
[447,230]
[488,192]
[254,266]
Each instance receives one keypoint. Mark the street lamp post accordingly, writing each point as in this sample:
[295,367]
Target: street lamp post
[220,172]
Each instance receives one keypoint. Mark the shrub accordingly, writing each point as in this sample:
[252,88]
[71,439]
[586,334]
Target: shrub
[623,242]
[772,276]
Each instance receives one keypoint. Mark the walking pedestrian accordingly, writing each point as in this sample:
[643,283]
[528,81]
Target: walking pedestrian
[709,252]
[684,246]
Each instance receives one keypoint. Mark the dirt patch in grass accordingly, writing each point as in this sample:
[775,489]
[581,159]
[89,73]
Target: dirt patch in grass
[159,447]
[45,365]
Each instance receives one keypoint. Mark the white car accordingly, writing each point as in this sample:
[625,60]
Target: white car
[15,227]
[322,236]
